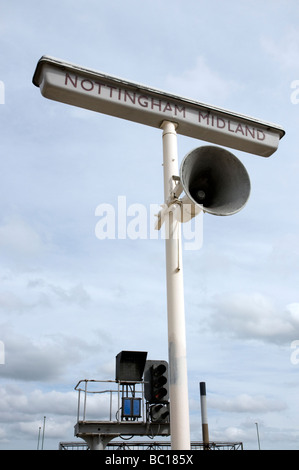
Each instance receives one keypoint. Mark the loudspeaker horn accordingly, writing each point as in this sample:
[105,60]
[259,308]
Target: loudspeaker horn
[215,180]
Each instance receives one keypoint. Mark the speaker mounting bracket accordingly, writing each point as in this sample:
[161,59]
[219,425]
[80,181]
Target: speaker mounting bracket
[177,190]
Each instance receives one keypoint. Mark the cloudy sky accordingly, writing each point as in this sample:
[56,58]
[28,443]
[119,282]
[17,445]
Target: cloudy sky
[69,301]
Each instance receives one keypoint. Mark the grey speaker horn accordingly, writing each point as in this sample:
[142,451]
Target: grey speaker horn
[215,179]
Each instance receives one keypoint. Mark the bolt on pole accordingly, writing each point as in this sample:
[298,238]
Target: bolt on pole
[178,380]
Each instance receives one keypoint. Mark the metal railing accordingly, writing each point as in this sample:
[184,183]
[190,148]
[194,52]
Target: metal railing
[94,399]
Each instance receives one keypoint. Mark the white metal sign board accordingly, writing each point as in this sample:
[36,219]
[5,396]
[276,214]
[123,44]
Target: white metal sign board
[78,86]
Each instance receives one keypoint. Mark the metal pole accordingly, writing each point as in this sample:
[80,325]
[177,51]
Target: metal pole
[85,397]
[258,436]
[78,409]
[204,415]
[178,380]
[38,439]
[43,436]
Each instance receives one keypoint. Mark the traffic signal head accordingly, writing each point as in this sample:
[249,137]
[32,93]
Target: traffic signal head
[159,413]
[156,381]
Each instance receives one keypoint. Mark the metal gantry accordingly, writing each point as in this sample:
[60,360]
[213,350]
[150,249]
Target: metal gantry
[151,445]
[97,426]
[103,400]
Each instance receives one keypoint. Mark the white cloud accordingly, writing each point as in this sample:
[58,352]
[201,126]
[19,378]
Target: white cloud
[10,302]
[245,403]
[19,238]
[55,428]
[253,316]
[74,295]
[202,83]
[284,256]
[22,415]
[22,412]
[234,434]
[24,243]
[26,359]
[285,50]
[37,402]
[293,308]
[26,292]
[49,357]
